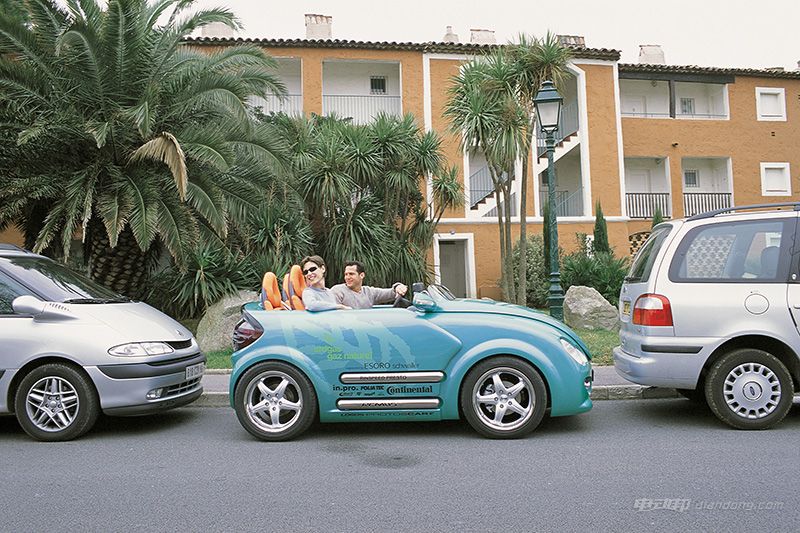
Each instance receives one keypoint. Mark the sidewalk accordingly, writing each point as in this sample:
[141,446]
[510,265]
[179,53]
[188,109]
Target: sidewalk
[608,385]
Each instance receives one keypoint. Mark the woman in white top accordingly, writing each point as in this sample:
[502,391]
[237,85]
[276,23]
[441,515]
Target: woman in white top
[315,296]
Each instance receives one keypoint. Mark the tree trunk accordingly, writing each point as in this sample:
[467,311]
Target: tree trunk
[500,224]
[522,296]
[508,264]
[123,269]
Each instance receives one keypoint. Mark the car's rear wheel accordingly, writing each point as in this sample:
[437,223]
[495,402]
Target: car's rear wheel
[503,398]
[749,389]
[56,402]
[274,401]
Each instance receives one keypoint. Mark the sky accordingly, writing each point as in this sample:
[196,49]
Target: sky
[711,33]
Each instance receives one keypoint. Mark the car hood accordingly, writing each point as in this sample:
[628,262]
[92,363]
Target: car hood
[136,321]
[467,305]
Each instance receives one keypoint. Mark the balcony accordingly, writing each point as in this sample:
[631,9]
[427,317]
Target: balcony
[673,99]
[361,90]
[362,109]
[644,204]
[647,187]
[291,105]
[700,202]
[707,184]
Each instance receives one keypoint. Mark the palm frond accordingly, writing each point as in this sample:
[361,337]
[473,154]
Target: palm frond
[166,149]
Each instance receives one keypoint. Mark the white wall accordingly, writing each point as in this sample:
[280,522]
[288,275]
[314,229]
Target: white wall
[638,169]
[290,72]
[655,98]
[708,97]
[352,77]
[712,174]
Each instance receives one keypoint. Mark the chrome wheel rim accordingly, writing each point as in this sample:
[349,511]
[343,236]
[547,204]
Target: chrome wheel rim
[752,391]
[503,398]
[52,404]
[273,401]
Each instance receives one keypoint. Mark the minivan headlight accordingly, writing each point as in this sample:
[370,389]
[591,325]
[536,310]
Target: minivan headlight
[574,352]
[139,349]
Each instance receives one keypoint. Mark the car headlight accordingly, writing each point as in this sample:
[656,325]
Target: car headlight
[574,352]
[140,349]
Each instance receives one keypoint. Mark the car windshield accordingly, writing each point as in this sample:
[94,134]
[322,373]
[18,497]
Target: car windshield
[440,292]
[57,283]
[643,262]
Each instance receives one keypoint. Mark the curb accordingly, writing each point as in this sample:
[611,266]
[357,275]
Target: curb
[609,392]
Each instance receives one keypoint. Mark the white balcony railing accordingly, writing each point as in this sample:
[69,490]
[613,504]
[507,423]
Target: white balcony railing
[644,204]
[700,202]
[292,104]
[361,108]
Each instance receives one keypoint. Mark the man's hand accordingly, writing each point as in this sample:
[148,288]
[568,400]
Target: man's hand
[401,289]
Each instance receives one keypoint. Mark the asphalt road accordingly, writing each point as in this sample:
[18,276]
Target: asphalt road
[615,468]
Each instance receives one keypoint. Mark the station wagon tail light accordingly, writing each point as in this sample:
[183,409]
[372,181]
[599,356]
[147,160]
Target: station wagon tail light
[246,332]
[652,310]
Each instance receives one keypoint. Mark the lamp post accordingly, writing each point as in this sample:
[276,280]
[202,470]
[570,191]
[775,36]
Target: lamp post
[548,110]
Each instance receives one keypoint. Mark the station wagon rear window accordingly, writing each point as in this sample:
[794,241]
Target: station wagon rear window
[643,262]
[746,251]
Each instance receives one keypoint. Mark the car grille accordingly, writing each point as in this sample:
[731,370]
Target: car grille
[181,388]
[179,345]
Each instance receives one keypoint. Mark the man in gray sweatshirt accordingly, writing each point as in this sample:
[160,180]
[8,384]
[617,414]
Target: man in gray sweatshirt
[353,293]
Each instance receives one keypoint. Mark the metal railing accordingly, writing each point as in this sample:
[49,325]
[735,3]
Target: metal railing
[708,116]
[481,186]
[292,104]
[644,115]
[643,204]
[568,203]
[567,125]
[361,108]
[700,202]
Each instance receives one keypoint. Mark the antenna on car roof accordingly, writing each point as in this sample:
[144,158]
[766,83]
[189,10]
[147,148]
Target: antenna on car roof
[711,214]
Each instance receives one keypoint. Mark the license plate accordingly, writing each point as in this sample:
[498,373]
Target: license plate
[195,371]
[626,308]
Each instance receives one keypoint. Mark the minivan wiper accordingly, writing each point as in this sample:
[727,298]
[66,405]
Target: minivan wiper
[97,300]
[632,278]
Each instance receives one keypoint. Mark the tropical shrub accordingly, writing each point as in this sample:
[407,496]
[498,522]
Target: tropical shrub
[658,217]
[602,271]
[537,271]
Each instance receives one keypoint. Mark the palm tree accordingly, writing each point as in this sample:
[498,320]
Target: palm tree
[114,130]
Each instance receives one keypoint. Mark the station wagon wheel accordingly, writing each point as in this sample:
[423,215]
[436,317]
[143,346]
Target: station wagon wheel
[274,401]
[503,397]
[749,389]
[56,402]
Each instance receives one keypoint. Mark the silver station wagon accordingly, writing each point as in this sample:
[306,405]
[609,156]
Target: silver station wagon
[711,306]
[72,348]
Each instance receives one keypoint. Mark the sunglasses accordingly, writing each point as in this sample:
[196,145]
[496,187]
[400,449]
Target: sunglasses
[308,270]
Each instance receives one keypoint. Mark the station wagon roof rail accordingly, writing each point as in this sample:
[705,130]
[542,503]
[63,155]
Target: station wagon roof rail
[711,214]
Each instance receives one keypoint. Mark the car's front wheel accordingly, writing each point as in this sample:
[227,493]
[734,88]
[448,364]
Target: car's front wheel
[56,402]
[749,389]
[503,398]
[274,401]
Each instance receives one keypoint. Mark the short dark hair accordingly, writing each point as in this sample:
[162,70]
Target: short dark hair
[358,264]
[317,260]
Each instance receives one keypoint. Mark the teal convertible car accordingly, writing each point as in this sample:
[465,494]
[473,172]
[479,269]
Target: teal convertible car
[500,366]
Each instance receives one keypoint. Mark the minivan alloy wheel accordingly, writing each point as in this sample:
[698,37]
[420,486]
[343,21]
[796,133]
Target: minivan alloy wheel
[752,390]
[52,404]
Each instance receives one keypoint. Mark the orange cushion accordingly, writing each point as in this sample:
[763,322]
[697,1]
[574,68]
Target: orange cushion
[271,290]
[296,286]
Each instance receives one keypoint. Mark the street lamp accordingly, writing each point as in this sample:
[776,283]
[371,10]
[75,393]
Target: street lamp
[548,111]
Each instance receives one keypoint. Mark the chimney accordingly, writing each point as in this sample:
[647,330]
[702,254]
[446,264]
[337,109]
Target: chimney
[575,41]
[216,29]
[481,36]
[651,54]
[449,36]
[318,26]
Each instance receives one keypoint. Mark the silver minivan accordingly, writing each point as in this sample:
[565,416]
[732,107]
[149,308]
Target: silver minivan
[70,348]
[711,307]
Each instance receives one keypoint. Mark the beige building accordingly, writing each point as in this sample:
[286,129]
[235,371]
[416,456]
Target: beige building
[633,136]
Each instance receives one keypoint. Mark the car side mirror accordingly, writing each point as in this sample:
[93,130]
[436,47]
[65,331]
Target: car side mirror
[43,311]
[424,302]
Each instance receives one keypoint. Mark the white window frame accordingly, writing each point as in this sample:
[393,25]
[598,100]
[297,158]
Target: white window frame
[781,92]
[690,104]
[385,85]
[787,191]
[696,179]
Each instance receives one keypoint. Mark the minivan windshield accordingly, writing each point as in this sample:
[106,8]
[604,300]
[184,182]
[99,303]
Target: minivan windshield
[643,262]
[56,282]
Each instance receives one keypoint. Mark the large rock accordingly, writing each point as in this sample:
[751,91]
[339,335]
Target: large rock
[586,308]
[216,327]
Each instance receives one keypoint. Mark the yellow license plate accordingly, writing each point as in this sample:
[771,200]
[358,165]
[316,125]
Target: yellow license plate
[626,308]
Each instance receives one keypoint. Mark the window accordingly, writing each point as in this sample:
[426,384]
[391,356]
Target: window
[770,103]
[690,179]
[734,252]
[775,179]
[646,256]
[377,84]
[687,106]
[9,290]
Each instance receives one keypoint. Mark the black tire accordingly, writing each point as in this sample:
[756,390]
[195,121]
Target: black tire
[749,389]
[297,391]
[66,408]
[482,416]
[697,395]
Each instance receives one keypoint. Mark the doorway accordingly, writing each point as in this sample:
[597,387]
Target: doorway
[454,263]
